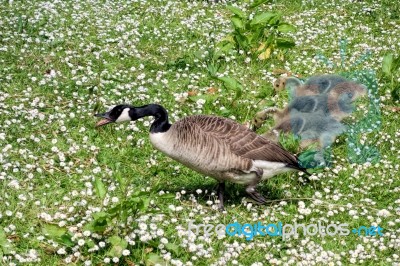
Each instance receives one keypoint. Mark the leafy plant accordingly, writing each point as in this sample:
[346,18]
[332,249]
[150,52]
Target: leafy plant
[5,246]
[58,234]
[232,84]
[129,207]
[261,33]
[391,70]
[103,222]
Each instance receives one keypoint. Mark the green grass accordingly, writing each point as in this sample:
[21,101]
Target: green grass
[51,153]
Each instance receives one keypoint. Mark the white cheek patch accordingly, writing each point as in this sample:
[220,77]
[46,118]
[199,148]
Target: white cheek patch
[124,116]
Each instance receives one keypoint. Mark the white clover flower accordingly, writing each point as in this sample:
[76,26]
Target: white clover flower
[335,197]
[383,213]
[126,252]
[61,251]
[141,76]
[143,226]
[160,232]
[114,199]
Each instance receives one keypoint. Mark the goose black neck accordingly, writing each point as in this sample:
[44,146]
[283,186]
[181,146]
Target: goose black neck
[160,123]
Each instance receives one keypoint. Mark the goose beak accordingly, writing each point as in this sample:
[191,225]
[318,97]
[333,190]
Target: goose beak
[106,119]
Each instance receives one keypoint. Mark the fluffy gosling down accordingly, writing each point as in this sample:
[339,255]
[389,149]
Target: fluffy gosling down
[214,146]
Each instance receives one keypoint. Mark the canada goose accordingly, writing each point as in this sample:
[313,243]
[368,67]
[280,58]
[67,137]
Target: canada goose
[214,146]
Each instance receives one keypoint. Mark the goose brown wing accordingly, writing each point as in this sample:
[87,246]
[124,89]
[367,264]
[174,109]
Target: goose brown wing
[243,141]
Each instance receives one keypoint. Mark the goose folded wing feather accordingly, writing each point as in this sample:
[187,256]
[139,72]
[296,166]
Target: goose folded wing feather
[244,142]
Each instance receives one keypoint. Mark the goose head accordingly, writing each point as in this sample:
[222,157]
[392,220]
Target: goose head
[124,112]
[117,114]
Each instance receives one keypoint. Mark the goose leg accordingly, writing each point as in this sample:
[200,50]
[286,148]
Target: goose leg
[221,191]
[251,188]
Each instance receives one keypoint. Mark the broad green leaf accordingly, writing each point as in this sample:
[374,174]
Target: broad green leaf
[396,64]
[239,92]
[285,43]
[100,188]
[117,246]
[90,243]
[227,38]
[237,22]
[144,204]
[53,231]
[229,83]
[66,240]
[153,259]
[237,11]
[58,234]
[227,47]
[99,224]
[241,40]
[3,236]
[114,240]
[100,215]
[262,18]
[270,39]
[173,248]
[286,27]
[275,20]
[21,24]
[258,2]
[5,246]
[387,64]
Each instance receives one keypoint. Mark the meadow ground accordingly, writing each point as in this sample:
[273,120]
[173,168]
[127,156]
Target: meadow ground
[74,194]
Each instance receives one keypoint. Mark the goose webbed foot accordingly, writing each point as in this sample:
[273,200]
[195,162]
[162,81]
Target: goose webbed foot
[256,196]
[221,191]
